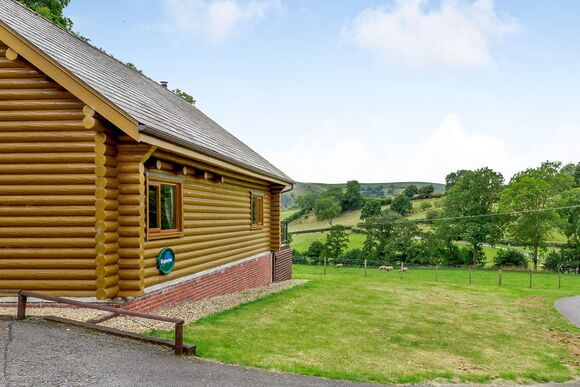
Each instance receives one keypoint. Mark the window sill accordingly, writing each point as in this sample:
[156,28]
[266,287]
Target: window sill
[257,227]
[168,235]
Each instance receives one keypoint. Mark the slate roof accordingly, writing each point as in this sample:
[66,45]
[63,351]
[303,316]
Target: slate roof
[160,112]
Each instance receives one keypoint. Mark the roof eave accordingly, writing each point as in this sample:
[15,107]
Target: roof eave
[166,141]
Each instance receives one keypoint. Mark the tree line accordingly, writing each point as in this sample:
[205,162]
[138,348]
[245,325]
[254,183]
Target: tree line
[478,209]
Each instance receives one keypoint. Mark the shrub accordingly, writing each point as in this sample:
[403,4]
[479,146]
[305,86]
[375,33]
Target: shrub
[315,249]
[565,261]
[433,214]
[296,215]
[353,257]
[425,206]
[510,258]
[386,201]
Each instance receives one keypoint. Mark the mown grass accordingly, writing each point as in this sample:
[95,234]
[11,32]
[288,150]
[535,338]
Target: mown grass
[388,329]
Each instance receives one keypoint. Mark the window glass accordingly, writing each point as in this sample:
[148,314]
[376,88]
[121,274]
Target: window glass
[168,207]
[153,215]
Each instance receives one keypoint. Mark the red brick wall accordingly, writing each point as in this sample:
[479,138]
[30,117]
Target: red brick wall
[283,264]
[249,274]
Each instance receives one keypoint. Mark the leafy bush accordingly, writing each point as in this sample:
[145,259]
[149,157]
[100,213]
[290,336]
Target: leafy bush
[315,249]
[296,215]
[510,258]
[433,214]
[565,261]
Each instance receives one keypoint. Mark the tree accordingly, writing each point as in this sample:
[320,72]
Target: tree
[51,10]
[352,198]
[410,191]
[402,241]
[379,231]
[336,241]
[333,192]
[371,209]
[315,249]
[529,193]
[327,208]
[133,67]
[426,190]
[184,95]
[471,198]
[402,205]
[307,201]
[452,177]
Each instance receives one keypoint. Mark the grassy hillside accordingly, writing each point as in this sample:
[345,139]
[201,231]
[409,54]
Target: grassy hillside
[388,189]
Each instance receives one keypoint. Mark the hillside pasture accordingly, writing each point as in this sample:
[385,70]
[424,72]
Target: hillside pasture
[387,329]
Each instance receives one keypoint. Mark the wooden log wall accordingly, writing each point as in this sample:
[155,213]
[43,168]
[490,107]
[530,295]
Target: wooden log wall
[217,226]
[47,184]
[131,216]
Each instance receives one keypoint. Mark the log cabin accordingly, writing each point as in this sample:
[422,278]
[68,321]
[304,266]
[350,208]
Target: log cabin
[114,188]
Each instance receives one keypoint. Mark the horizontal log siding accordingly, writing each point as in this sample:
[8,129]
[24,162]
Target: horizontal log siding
[47,186]
[131,177]
[217,228]
[107,207]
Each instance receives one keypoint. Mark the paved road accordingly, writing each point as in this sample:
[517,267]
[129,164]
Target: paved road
[570,308]
[45,354]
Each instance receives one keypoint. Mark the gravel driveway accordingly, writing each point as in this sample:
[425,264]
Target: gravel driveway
[570,308]
[39,353]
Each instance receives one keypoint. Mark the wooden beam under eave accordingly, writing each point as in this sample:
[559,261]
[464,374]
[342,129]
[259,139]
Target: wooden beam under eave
[70,82]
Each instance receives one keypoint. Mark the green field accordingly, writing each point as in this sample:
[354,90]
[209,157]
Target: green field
[383,328]
[301,242]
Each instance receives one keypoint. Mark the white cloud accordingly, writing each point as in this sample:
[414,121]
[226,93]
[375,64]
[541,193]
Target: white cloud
[323,158]
[457,33]
[329,158]
[217,20]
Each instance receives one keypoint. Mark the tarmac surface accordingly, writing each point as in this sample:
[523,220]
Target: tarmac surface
[570,308]
[37,353]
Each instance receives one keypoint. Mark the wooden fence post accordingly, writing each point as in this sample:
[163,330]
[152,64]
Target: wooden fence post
[324,265]
[365,267]
[470,275]
[436,273]
[499,277]
[21,311]
[559,279]
[530,279]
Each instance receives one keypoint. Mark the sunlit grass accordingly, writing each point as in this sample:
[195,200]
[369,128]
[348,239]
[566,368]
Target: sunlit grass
[410,329]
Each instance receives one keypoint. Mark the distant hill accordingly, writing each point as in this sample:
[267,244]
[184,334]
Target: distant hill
[367,189]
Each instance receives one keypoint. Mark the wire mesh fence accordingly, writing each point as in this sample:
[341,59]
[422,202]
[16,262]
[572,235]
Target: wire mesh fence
[461,275]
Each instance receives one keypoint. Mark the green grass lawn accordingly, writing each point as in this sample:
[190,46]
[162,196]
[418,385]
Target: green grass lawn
[383,328]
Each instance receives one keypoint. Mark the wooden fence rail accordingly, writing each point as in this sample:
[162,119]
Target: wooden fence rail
[177,344]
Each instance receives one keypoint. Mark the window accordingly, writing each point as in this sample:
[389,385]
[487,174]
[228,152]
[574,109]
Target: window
[163,208]
[257,210]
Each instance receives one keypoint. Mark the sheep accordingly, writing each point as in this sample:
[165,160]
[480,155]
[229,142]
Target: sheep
[338,266]
[386,268]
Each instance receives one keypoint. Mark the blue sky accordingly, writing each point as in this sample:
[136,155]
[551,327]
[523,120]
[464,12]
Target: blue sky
[332,90]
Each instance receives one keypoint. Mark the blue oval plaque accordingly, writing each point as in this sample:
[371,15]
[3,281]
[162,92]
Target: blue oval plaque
[166,260]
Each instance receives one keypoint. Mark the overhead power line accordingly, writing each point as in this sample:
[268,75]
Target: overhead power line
[512,213]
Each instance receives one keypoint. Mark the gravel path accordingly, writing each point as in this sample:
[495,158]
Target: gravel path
[189,312]
[570,308]
[46,354]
